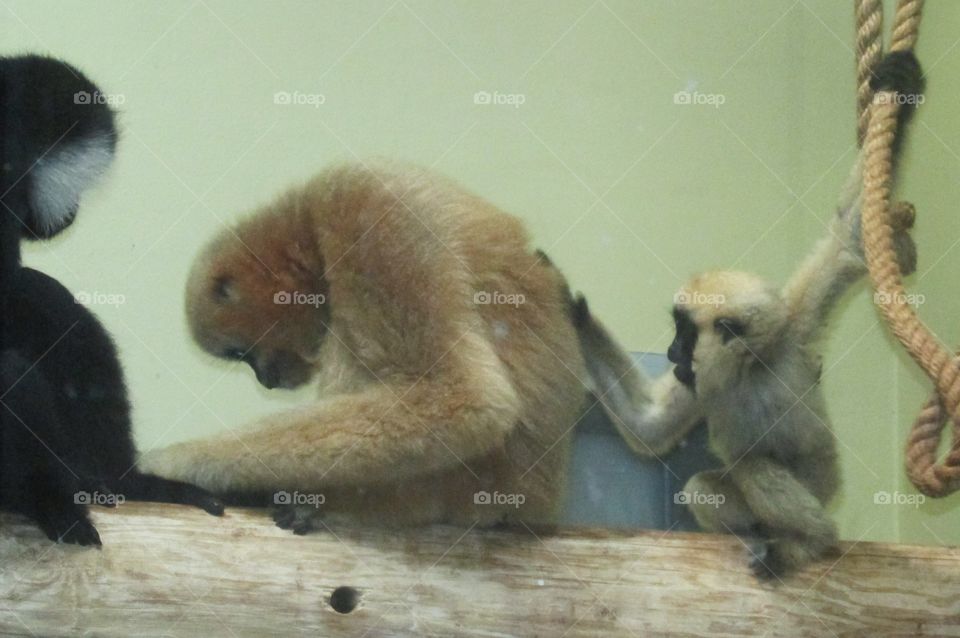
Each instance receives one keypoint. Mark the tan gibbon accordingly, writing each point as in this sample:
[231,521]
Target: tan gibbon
[447,366]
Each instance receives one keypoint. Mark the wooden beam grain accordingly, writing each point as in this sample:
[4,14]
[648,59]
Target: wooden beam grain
[172,571]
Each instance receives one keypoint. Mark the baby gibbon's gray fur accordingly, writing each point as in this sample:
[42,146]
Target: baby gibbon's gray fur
[745,359]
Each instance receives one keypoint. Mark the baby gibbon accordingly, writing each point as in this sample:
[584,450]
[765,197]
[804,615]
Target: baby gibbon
[448,369]
[745,358]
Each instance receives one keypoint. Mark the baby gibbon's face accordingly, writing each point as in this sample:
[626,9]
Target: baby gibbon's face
[240,309]
[724,321]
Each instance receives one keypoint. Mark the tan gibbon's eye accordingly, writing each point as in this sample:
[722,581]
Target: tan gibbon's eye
[235,354]
[222,288]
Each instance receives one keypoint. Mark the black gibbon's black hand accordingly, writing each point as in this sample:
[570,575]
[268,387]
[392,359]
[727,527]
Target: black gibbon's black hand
[71,527]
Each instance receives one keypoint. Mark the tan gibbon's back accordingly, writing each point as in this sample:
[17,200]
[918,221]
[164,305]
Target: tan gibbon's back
[446,360]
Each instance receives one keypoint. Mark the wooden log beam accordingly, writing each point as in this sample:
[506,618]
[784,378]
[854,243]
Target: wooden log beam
[172,571]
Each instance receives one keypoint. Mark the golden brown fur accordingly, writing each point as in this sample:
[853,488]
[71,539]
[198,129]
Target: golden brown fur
[427,395]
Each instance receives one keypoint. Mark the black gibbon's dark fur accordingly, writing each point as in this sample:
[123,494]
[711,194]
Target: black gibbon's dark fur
[65,433]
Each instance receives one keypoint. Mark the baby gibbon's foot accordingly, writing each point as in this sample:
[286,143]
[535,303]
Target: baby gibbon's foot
[774,558]
[71,525]
[765,562]
[300,519]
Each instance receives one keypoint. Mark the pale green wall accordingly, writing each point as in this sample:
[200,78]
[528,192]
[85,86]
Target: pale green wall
[681,188]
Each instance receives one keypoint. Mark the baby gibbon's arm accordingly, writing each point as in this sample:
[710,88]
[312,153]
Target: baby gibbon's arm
[652,416]
[821,279]
[837,261]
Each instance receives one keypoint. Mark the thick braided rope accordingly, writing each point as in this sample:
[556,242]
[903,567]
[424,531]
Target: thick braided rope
[869,17]
[922,468]
[936,361]
[906,25]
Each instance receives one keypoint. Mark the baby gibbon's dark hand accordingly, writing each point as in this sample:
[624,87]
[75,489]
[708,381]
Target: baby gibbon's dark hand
[902,217]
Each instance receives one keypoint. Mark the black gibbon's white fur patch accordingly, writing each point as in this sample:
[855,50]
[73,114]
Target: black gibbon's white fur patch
[63,174]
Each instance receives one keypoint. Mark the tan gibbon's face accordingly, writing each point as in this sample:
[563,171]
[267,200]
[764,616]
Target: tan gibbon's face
[259,302]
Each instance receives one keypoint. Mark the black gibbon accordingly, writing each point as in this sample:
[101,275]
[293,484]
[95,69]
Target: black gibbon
[64,415]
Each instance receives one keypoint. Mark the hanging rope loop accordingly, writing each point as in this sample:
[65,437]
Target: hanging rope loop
[877,132]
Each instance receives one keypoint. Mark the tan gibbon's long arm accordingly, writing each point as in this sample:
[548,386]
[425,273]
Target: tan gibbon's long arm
[652,416]
[384,433]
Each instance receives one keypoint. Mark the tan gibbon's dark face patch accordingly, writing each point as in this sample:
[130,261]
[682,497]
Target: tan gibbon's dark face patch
[239,310]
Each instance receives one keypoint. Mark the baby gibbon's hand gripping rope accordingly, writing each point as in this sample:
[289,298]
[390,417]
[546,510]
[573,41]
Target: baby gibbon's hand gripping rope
[879,112]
